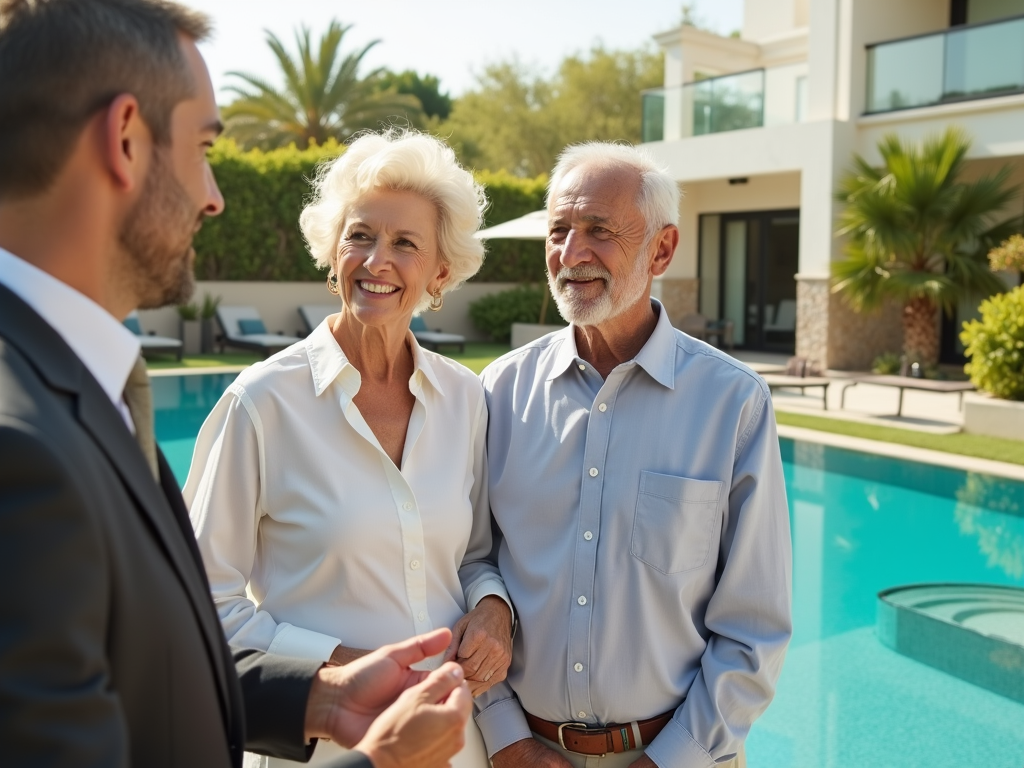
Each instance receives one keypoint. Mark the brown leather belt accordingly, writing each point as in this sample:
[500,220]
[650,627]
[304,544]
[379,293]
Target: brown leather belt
[579,738]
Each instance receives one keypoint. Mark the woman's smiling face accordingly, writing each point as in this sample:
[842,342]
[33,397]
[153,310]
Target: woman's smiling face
[388,257]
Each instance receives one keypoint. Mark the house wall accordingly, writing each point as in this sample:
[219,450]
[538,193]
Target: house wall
[278,304]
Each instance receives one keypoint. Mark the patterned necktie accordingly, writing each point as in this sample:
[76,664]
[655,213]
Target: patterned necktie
[138,396]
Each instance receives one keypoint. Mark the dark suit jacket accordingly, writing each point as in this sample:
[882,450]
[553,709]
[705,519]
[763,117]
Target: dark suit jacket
[111,652]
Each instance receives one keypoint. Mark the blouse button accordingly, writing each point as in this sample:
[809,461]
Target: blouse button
[422,616]
[414,564]
[407,506]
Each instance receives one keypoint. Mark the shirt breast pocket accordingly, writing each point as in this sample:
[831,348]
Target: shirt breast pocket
[675,517]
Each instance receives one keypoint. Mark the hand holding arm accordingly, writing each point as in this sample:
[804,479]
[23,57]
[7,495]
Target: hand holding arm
[528,752]
[482,644]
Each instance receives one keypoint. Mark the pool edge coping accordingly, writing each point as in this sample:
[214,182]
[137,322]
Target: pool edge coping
[213,369]
[906,452]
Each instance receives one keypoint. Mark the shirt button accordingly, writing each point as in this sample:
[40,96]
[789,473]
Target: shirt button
[602,407]
[407,506]
[593,472]
[422,616]
[578,667]
[588,535]
[414,564]
[581,714]
[581,600]
[583,367]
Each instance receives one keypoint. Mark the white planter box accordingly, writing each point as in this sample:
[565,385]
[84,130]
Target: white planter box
[190,337]
[524,333]
[985,415]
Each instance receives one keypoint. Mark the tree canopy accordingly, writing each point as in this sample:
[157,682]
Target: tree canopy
[323,96]
[519,121]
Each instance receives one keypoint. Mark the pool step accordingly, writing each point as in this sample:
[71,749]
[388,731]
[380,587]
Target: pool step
[972,631]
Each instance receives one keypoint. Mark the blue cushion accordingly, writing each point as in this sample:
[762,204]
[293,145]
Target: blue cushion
[132,324]
[251,327]
[418,324]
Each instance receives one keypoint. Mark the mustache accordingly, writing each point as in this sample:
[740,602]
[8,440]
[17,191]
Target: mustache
[582,272]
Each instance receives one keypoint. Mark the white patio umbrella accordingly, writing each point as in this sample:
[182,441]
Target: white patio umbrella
[532,226]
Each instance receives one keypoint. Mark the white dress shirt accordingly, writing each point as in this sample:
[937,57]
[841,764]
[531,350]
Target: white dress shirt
[292,495]
[645,542]
[106,348]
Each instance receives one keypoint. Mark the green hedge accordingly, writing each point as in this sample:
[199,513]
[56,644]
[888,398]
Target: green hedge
[258,238]
[494,314]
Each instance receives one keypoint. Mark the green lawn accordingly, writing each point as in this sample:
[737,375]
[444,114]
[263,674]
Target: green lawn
[204,361]
[979,446]
[477,355]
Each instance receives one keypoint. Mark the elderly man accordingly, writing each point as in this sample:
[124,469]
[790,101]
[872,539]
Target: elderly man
[636,479]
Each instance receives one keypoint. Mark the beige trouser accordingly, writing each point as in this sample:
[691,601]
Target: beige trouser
[620,760]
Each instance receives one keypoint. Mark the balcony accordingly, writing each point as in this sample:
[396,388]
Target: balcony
[752,99]
[960,64]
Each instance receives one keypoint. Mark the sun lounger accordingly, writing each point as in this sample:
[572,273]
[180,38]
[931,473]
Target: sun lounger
[908,382]
[314,314]
[781,380]
[152,344]
[243,328]
[435,339]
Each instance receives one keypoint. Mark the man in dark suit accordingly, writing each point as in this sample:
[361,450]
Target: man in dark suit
[111,653]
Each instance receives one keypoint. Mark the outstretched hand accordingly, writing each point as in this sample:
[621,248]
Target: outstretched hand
[528,752]
[482,644]
[345,700]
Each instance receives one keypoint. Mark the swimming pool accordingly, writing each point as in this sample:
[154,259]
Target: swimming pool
[861,523]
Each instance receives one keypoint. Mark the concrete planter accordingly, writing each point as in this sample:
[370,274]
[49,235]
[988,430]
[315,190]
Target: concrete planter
[986,415]
[524,333]
[190,337]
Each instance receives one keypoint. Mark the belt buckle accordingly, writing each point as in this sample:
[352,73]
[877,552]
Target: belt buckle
[561,736]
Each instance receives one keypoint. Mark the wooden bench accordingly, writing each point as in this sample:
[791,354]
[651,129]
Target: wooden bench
[781,380]
[906,382]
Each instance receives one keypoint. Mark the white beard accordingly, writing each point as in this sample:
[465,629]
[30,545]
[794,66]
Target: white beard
[615,299]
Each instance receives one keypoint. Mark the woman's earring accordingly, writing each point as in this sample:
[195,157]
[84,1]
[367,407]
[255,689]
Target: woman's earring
[437,301]
[332,283]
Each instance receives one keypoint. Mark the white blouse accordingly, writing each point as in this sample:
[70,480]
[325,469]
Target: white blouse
[291,494]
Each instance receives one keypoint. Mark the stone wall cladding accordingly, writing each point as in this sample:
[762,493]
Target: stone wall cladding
[679,297]
[856,339]
[812,320]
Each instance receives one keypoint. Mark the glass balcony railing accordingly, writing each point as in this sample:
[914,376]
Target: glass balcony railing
[961,63]
[726,103]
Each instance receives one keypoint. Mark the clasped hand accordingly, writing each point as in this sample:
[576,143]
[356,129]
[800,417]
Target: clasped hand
[482,644]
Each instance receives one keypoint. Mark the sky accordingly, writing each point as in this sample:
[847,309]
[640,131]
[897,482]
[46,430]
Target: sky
[452,39]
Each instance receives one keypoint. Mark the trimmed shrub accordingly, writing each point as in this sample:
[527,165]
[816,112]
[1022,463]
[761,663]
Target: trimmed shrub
[258,238]
[994,346]
[494,314]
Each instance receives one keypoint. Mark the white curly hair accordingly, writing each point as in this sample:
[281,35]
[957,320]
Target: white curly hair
[402,160]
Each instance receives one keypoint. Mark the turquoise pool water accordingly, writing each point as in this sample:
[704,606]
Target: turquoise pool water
[861,523]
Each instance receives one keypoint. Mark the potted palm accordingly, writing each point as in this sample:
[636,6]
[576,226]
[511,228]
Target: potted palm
[919,234]
[188,315]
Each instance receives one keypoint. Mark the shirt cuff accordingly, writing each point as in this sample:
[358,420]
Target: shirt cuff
[674,747]
[303,643]
[501,724]
[487,588]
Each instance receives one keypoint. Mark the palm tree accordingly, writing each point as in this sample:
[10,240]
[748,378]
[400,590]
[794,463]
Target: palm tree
[918,235]
[323,96]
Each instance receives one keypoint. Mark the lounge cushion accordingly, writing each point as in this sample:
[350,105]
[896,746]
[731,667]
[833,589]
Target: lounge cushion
[132,324]
[251,327]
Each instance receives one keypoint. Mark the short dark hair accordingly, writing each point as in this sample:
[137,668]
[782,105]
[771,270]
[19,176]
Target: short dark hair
[62,60]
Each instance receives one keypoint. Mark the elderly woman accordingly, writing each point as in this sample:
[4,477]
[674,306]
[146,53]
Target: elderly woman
[338,490]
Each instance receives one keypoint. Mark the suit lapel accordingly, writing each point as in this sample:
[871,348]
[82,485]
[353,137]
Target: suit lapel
[58,365]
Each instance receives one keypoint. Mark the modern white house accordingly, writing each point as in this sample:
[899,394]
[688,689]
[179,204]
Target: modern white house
[759,128]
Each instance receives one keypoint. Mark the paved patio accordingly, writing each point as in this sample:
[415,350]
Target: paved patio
[923,411]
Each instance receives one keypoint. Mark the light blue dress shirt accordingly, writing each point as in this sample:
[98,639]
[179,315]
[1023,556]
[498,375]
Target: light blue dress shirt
[644,542]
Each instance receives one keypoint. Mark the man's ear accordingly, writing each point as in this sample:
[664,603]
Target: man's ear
[665,248]
[127,143]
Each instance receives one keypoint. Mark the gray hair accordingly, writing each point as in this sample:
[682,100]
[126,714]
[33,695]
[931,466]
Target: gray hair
[658,197]
[401,160]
